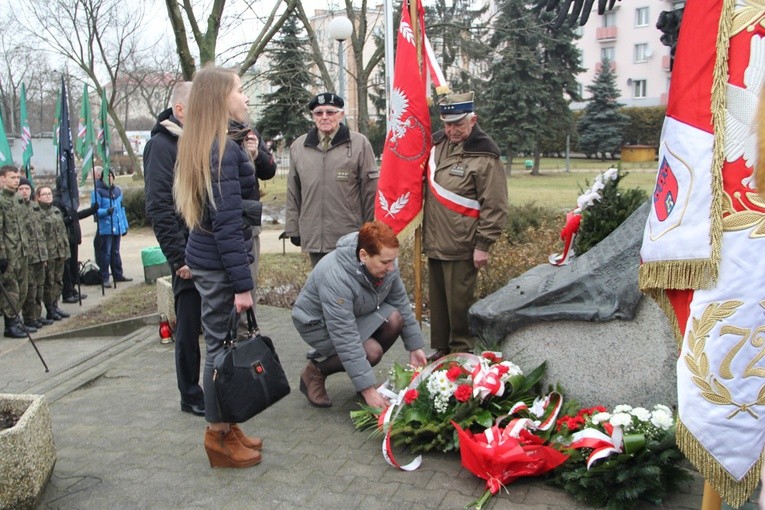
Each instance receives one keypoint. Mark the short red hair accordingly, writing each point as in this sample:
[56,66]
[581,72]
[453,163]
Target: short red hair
[375,235]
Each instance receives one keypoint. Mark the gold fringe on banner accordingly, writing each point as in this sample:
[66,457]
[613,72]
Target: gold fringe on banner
[408,231]
[734,493]
[677,274]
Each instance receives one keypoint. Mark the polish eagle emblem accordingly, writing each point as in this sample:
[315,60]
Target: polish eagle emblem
[406,138]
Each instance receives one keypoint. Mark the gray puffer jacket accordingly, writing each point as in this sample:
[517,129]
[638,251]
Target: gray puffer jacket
[337,293]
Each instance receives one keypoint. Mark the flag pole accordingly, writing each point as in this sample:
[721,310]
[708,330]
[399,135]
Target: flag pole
[417,256]
[389,61]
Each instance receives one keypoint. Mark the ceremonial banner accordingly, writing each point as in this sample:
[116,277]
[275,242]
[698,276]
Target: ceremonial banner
[66,182]
[703,238]
[85,138]
[407,146]
[26,137]
[5,149]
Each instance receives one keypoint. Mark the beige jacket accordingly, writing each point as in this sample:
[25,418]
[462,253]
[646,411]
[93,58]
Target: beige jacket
[332,193]
[473,170]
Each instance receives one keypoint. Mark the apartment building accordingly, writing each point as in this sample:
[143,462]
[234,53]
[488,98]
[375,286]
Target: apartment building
[627,36]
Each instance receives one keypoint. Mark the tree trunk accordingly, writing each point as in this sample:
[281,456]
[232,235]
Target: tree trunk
[125,142]
[537,157]
[509,162]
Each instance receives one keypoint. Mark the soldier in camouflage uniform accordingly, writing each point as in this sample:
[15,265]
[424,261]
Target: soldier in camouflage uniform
[58,251]
[38,256]
[15,248]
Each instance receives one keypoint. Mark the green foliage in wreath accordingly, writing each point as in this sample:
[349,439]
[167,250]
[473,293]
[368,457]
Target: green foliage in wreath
[621,481]
[605,215]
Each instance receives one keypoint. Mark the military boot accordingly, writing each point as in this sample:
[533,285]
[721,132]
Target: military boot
[52,315]
[59,311]
[13,328]
[30,326]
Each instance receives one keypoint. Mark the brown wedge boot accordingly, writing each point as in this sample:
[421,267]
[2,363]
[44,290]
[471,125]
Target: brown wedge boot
[253,443]
[312,386]
[224,450]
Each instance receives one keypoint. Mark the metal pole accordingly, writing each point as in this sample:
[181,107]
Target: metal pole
[568,153]
[16,314]
[389,61]
[341,71]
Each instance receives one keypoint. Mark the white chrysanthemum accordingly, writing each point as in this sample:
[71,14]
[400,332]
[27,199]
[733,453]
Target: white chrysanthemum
[622,408]
[663,408]
[622,420]
[598,185]
[439,384]
[641,413]
[661,419]
[538,407]
[611,173]
[600,418]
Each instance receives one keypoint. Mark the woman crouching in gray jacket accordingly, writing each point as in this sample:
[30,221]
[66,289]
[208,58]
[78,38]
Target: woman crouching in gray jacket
[352,309]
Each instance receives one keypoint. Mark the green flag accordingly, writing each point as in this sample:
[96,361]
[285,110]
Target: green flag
[5,150]
[26,137]
[85,139]
[103,136]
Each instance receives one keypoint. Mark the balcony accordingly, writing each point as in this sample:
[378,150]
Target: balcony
[605,34]
[599,67]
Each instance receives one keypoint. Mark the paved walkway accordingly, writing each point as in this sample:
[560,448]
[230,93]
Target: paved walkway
[122,441]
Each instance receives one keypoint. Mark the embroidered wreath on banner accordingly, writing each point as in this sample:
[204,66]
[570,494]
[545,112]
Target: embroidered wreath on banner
[712,388]
[396,207]
[748,218]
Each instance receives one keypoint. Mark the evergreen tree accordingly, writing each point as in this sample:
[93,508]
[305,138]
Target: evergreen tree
[532,78]
[601,125]
[284,115]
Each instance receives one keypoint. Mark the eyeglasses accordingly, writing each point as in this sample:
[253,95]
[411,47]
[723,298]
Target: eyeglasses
[322,113]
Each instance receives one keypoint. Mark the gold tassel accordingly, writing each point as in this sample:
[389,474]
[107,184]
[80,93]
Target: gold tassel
[734,493]
[408,231]
[442,89]
[677,274]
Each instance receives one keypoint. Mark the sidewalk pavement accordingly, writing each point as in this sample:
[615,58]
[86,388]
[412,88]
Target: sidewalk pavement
[122,441]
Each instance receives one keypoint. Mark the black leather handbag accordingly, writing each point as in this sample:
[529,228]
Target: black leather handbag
[248,376]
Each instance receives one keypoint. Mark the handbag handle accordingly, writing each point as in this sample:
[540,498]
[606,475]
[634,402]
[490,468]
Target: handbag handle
[233,325]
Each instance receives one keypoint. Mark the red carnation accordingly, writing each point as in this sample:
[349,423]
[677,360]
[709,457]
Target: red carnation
[463,392]
[454,373]
[491,356]
[411,395]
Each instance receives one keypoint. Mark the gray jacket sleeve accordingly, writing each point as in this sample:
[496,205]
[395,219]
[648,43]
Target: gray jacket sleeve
[294,198]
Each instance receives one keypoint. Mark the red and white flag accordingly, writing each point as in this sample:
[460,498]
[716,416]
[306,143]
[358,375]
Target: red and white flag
[703,240]
[407,145]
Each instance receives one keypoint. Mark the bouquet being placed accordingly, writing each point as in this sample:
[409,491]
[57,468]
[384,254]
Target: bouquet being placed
[618,458]
[469,390]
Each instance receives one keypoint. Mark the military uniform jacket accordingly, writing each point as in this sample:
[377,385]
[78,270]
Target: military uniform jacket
[55,232]
[38,247]
[471,169]
[332,193]
[15,242]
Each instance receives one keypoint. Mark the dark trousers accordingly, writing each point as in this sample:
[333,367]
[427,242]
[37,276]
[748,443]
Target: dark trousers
[71,271]
[188,313]
[110,257]
[452,288]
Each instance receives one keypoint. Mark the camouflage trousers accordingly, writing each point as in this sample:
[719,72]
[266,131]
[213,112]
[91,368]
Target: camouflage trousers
[31,308]
[54,280]
[15,281]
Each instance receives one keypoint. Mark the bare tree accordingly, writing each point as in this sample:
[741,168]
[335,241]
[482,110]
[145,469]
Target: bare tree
[97,36]
[220,19]
[153,77]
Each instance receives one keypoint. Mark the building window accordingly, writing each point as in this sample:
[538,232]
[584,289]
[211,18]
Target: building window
[608,54]
[641,52]
[641,17]
[638,89]
[609,19]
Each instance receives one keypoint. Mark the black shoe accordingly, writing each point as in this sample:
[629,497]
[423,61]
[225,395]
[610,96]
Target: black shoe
[61,313]
[122,279]
[14,328]
[53,316]
[71,299]
[44,322]
[30,326]
[313,354]
[197,409]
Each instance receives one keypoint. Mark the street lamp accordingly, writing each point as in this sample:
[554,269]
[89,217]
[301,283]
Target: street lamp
[340,29]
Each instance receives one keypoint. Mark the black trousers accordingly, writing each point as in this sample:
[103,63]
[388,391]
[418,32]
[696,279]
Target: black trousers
[71,271]
[188,313]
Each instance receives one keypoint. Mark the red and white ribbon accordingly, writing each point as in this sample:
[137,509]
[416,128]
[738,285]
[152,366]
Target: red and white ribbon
[601,444]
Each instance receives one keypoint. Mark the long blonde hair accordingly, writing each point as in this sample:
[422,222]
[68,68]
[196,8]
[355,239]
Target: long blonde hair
[205,124]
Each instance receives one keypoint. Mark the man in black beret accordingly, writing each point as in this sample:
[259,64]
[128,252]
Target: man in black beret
[332,180]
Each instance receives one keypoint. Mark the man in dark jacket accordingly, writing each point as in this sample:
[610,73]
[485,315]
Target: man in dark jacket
[172,234]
